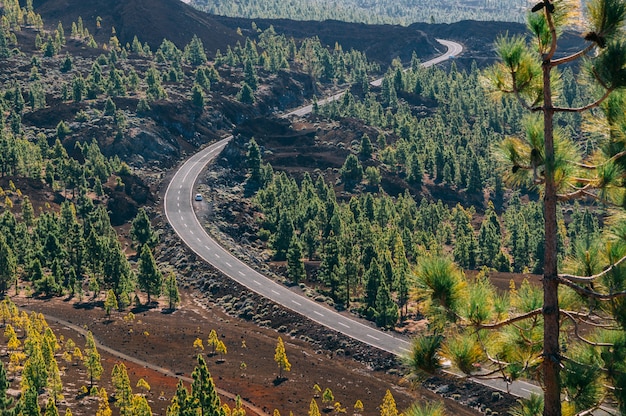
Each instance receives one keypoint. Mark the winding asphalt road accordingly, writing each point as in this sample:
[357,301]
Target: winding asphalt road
[453,49]
[179,210]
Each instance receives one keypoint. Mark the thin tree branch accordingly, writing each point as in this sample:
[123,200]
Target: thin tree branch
[517,92]
[589,279]
[594,104]
[548,56]
[611,159]
[510,320]
[573,57]
[580,337]
[585,318]
[591,293]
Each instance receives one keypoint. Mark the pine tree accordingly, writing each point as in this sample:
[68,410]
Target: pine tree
[123,389]
[284,233]
[246,94]
[51,409]
[388,406]
[141,230]
[351,172]
[365,150]
[149,277]
[203,391]
[373,278]
[171,291]
[91,359]
[254,162]
[110,303]
[280,356]
[35,372]
[194,52]
[5,401]
[8,265]
[197,96]
[545,157]
[314,409]
[103,403]
[386,309]
[295,265]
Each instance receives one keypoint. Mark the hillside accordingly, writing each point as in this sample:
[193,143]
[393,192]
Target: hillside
[150,20]
[90,129]
[343,205]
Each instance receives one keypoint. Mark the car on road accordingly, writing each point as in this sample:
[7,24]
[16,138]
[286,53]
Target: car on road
[198,197]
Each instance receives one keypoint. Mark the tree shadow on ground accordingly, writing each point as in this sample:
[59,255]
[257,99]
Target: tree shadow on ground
[279,380]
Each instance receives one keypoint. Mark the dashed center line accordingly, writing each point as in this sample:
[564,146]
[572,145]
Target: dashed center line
[257,282]
[240,272]
[217,255]
[275,292]
[344,325]
[208,248]
[317,313]
[373,337]
[229,265]
[297,303]
[186,226]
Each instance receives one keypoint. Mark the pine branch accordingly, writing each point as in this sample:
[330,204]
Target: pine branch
[587,107]
[516,91]
[573,57]
[591,293]
[589,279]
[510,320]
[548,56]
[580,337]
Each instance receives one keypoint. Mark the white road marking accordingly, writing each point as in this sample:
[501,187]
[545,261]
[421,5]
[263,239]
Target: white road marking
[275,292]
[317,313]
[297,303]
[257,282]
[241,273]
[208,248]
[178,204]
[404,349]
[373,337]
[229,265]
[217,255]
[190,232]
[526,390]
[344,325]
[186,226]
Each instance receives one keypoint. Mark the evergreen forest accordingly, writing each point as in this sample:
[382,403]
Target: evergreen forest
[400,203]
[402,12]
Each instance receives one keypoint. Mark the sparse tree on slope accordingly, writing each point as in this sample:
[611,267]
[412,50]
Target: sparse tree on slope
[280,356]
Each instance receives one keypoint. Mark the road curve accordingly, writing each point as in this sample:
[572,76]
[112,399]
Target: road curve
[181,215]
[179,210]
[453,50]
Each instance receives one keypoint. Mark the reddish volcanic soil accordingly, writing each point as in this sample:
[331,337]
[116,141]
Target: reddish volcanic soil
[159,340]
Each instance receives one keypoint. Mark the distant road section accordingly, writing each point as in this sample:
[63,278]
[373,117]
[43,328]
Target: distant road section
[454,49]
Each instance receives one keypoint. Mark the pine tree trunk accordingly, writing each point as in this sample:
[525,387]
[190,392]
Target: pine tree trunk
[551,355]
